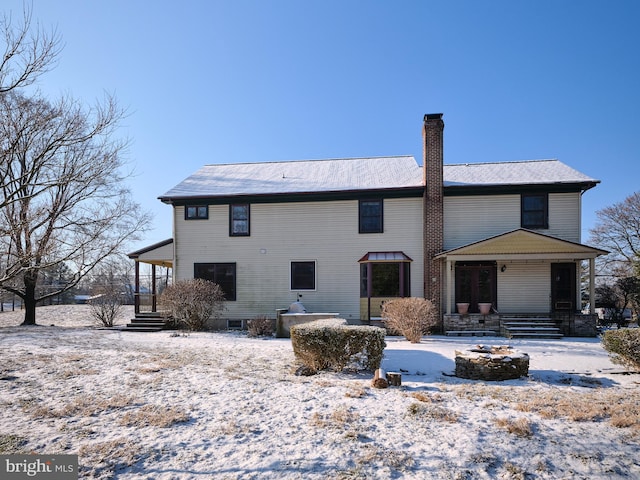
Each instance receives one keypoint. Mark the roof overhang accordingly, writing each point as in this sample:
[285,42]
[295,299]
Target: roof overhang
[160,254]
[522,244]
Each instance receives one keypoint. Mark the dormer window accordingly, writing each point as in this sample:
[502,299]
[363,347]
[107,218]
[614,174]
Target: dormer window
[534,212]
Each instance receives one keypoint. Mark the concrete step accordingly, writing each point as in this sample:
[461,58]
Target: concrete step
[140,328]
[532,329]
[472,333]
[535,335]
[529,324]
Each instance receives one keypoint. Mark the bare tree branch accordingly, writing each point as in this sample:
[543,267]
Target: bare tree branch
[27,52]
[62,194]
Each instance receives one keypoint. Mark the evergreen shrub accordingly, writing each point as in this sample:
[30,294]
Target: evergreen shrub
[331,344]
[623,346]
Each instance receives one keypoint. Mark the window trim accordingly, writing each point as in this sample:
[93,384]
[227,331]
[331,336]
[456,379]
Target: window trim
[545,211]
[380,215]
[234,297]
[198,208]
[315,275]
[231,220]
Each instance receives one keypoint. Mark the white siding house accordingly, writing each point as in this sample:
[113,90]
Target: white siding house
[344,235]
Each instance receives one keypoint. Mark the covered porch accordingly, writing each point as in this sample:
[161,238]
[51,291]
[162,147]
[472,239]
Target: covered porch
[520,281]
[157,255]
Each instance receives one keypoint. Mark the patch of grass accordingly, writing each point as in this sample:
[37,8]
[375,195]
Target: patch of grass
[520,427]
[101,458]
[82,406]
[357,391]
[340,418]
[153,416]
[11,444]
[394,459]
[432,412]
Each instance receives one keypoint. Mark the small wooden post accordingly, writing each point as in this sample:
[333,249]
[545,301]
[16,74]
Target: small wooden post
[394,379]
[380,379]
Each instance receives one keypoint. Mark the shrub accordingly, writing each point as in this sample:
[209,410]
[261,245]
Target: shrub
[623,346]
[332,344]
[260,326]
[412,317]
[193,302]
[105,305]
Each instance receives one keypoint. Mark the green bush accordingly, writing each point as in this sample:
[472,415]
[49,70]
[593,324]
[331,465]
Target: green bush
[412,317]
[623,346]
[193,302]
[332,344]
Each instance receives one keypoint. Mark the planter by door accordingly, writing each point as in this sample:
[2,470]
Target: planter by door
[485,308]
[463,308]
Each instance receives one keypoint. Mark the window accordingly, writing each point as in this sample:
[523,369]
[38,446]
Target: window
[370,213]
[387,279]
[535,211]
[196,212]
[224,274]
[303,275]
[239,220]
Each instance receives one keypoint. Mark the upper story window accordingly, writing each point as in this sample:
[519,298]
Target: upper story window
[534,211]
[370,216]
[196,212]
[239,220]
[224,274]
[303,275]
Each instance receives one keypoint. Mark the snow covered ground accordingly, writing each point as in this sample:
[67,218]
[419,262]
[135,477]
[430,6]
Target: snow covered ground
[221,405]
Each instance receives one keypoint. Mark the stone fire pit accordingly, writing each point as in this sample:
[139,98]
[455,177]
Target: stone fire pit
[484,362]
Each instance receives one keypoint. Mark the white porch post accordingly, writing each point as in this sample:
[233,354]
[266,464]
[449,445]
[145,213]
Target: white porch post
[592,286]
[448,286]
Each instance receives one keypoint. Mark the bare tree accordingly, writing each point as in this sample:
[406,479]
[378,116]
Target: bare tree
[28,52]
[618,230]
[61,191]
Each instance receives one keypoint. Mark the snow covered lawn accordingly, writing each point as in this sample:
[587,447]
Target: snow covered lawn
[221,405]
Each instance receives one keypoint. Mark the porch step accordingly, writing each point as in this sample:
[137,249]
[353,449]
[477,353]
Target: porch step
[146,322]
[472,333]
[530,327]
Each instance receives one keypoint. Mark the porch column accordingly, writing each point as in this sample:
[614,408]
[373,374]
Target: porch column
[592,286]
[154,303]
[136,290]
[449,298]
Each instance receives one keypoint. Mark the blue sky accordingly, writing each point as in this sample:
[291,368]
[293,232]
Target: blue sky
[212,81]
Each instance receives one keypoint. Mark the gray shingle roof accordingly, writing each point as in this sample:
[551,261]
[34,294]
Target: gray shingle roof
[354,174]
[317,176]
[530,172]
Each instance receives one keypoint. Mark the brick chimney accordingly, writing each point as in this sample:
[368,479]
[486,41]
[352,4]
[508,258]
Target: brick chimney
[432,166]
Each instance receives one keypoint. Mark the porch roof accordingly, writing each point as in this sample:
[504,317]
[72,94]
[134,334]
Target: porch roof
[372,257]
[160,254]
[522,244]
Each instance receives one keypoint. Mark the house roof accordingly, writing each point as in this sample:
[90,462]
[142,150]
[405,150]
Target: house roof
[529,172]
[302,176]
[362,174]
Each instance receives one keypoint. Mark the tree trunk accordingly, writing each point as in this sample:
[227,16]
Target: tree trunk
[29,300]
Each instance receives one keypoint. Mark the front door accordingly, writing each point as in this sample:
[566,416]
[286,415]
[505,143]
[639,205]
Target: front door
[563,287]
[476,283]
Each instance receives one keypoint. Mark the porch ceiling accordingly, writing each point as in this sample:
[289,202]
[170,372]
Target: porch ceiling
[523,244]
